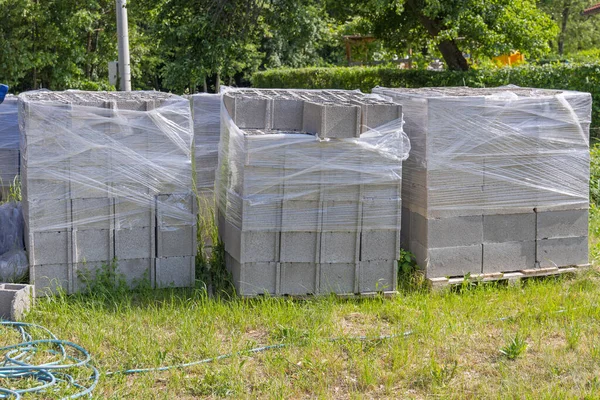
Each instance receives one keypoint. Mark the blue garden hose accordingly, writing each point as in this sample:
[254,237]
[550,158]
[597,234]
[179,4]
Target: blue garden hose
[19,362]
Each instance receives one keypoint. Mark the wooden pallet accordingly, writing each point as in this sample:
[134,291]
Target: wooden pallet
[511,277]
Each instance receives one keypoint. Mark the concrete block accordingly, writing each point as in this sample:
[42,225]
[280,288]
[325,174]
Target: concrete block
[379,245]
[135,243]
[47,215]
[93,245]
[299,216]
[249,112]
[176,209]
[508,256]
[89,181]
[175,272]
[381,214]
[405,231]
[562,252]
[40,184]
[300,247]
[340,247]
[339,183]
[15,300]
[260,246]
[176,241]
[447,232]
[376,115]
[137,271]
[509,228]
[449,261]
[132,213]
[254,278]
[260,213]
[378,276]
[341,215]
[49,279]
[302,184]
[339,278]
[251,246]
[50,248]
[287,114]
[94,213]
[561,224]
[332,121]
[206,110]
[298,278]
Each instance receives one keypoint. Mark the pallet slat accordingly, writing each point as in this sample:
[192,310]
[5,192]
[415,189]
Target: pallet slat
[501,276]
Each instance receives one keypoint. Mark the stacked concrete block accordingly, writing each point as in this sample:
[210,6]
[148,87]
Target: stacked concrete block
[305,204]
[9,143]
[206,110]
[497,179]
[107,178]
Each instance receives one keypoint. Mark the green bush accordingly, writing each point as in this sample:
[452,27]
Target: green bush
[581,77]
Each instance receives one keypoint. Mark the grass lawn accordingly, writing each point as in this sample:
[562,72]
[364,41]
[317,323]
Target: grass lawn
[454,350]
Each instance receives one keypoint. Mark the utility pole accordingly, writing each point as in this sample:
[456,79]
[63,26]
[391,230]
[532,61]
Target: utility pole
[123,44]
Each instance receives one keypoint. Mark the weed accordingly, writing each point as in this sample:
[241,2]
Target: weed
[410,275]
[104,280]
[514,347]
[442,374]
[13,193]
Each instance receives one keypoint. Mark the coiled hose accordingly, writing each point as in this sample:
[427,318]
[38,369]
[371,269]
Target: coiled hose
[21,362]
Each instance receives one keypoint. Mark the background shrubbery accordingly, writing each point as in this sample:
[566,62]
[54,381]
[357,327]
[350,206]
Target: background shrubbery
[581,77]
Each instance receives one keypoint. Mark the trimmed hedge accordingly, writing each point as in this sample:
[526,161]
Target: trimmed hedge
[581,77]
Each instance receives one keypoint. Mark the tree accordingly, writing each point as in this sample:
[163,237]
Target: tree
[202,39]
[577,32]
[297,33]
[477,27]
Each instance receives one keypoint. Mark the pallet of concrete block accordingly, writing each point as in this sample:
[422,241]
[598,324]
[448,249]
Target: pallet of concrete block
[9,144]
[107,182]
[309,191]
[206,113]
[497,179]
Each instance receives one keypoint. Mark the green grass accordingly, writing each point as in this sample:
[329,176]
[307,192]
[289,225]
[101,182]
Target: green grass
[455,350]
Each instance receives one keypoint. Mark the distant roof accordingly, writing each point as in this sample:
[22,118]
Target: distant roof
[595,9]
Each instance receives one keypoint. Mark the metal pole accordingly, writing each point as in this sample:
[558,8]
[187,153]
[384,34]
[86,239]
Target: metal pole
[123,44]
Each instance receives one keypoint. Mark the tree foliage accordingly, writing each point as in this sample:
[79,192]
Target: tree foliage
[577,32]
[455,27]
[194,45]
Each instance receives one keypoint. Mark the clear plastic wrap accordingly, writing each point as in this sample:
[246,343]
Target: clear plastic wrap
[206,111]
[9,142]
[105,176]
[13,259]
[497,179]
[305,180]
[475,151]
[11,227]
[260,168]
